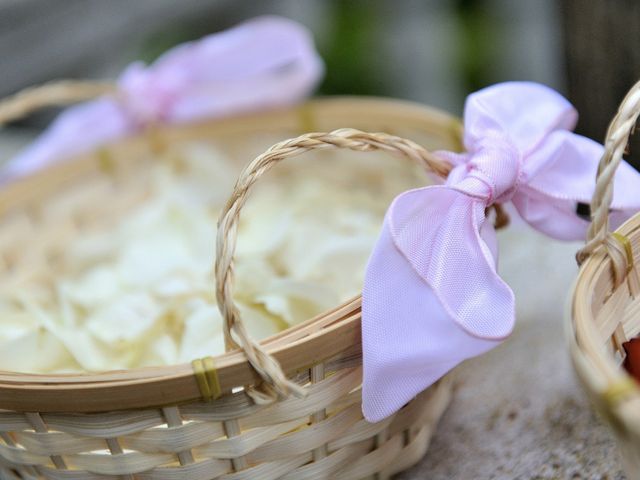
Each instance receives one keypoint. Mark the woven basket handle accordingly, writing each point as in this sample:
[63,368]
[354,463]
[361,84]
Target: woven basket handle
[236,335]
[617,138]
[58,93]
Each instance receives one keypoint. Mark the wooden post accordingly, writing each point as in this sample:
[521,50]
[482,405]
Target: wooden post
[602,41]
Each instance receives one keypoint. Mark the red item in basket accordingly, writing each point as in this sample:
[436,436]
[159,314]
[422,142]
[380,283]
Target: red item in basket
[632,360]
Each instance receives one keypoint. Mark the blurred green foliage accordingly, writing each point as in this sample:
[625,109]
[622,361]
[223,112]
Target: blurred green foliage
[349,49]
[351,44]
[477,45]
[158,43]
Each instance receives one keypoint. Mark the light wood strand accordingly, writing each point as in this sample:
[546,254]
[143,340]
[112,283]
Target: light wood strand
[276,384]
[605,307]
[53,94]
[617,138]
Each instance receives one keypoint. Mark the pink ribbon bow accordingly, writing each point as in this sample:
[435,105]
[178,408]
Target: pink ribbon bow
[263,63]
[432,297]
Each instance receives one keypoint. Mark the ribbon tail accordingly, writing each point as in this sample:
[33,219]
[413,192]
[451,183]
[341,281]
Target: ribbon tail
[77,130]
[419,321]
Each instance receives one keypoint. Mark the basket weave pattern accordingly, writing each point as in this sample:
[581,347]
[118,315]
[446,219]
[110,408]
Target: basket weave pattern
[322,436]
[152,423]
[606,300]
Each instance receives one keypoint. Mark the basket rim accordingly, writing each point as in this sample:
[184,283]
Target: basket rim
[296,348]
[597,369]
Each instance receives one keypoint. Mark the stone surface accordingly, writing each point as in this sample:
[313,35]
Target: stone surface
[518,412]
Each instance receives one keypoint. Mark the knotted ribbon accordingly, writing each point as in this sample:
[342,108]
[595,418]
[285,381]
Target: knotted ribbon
[263,63]
[432,297]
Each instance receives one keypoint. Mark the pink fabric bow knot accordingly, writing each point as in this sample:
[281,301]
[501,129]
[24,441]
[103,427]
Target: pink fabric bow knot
[432,297]
[263,63]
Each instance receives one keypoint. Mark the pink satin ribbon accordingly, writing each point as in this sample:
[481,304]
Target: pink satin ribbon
[432,297]
[263,63]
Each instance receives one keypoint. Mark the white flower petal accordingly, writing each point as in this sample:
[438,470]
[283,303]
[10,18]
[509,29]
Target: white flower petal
[126,319]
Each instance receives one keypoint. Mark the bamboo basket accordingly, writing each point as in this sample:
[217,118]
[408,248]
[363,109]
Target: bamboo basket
[606,301]
[212,419]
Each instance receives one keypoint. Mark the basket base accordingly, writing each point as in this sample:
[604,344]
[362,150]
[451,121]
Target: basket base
[362,451]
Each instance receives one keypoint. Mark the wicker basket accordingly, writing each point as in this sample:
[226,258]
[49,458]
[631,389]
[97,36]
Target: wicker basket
[210,419]
[606,301]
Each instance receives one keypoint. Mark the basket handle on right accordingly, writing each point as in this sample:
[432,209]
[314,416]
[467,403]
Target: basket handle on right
[617,247]
[276,382]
